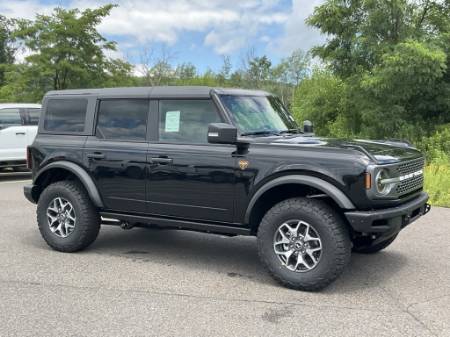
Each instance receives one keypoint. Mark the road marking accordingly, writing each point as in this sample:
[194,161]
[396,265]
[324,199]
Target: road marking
[15,181]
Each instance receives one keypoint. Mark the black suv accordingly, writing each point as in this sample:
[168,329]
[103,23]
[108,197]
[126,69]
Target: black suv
[225,161]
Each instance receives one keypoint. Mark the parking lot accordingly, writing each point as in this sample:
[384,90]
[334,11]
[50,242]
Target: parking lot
[174,283]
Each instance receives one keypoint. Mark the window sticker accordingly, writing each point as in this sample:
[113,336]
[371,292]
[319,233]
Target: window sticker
[172,121]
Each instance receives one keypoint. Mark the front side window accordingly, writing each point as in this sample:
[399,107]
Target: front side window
[65,115]
[123,119]
[258,114]
[186,121]
[9,117]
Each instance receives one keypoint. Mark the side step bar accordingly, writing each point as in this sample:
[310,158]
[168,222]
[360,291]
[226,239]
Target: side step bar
[176,223]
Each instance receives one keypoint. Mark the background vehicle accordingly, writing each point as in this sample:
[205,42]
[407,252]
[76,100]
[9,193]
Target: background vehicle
[224,161]
[18,128]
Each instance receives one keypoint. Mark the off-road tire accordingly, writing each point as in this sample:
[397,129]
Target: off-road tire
[336,244]
[87,223]
[372,249]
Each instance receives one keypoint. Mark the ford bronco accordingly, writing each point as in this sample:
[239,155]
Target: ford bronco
[225,161]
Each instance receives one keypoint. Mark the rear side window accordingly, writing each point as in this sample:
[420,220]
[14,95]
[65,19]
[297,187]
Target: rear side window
[123,119]
[65,115]
[186,121]
[33,116]
[9,117]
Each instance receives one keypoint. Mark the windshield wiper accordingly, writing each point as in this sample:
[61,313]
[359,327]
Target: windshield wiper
[261,133]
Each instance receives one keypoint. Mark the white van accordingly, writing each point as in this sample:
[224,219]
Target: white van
[18,127]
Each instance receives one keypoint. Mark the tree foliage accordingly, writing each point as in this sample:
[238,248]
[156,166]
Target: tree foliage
[65,51]
[7,48]
[391,60]
[67,46]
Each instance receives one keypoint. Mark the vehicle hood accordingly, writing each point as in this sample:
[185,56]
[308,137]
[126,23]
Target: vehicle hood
[380,151]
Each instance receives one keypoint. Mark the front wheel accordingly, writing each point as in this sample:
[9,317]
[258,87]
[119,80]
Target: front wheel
[67,219]
[303,243]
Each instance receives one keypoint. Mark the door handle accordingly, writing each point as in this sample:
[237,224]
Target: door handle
[162,160]
[95,155]
[20,133]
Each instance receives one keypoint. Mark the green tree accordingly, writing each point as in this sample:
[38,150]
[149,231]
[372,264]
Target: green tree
[186,72]
[321,99]
[297,66]
[362,31]
[67,50]
[7,48]
[225,71]
[406,94]
[259,70]
[392,56]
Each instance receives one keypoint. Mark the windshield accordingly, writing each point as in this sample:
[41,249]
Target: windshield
[258,114]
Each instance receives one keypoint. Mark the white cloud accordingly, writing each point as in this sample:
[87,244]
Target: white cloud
[297,34]
[227,25]
[25,9]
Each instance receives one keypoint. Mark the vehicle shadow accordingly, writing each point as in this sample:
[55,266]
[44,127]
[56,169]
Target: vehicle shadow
[232,256]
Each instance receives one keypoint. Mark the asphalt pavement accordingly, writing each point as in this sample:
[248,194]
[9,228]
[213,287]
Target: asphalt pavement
[145,282]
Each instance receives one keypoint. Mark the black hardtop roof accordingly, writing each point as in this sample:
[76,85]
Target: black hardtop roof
[159,92]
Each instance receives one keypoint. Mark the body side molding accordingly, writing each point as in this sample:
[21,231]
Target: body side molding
[332,191]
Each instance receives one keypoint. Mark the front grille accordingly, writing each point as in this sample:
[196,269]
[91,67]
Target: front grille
[410,184]
[410,166]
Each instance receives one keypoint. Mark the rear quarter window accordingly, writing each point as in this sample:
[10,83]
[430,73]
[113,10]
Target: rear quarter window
[65,115]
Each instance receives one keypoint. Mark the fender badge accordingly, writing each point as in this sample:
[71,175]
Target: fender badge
[243,164]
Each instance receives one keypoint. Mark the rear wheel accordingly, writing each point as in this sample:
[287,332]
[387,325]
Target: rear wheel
[67,219]
[369,248]
[303,243]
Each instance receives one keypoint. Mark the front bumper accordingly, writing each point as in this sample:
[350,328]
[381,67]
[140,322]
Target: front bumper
[389,220]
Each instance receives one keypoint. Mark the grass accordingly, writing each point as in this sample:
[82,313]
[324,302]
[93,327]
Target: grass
[437,184]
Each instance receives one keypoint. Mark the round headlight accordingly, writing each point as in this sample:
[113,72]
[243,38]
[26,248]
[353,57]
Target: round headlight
[382,188]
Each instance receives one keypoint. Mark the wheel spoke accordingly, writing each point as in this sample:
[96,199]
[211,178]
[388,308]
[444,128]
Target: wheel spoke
[52,218]
[300,261]
[284,239]
[307,235]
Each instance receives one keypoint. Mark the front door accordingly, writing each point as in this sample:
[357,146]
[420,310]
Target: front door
[13,135]
[189,178]
[117,154]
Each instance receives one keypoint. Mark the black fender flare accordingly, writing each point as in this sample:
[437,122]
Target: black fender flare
[80,173]
[329,189]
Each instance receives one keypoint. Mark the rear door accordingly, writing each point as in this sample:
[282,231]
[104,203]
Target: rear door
[116,155]
[13,138]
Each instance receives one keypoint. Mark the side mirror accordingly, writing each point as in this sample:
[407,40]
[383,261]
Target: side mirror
[221,133]
[308,127]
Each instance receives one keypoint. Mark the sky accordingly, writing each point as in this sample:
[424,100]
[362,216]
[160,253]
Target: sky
[198,31]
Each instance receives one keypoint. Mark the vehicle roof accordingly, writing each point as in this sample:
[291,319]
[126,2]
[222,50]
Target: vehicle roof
[159,92]
[19,105]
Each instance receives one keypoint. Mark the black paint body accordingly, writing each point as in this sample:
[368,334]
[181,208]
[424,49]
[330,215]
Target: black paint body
[204,182]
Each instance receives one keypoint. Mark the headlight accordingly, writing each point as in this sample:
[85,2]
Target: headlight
[382,184]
